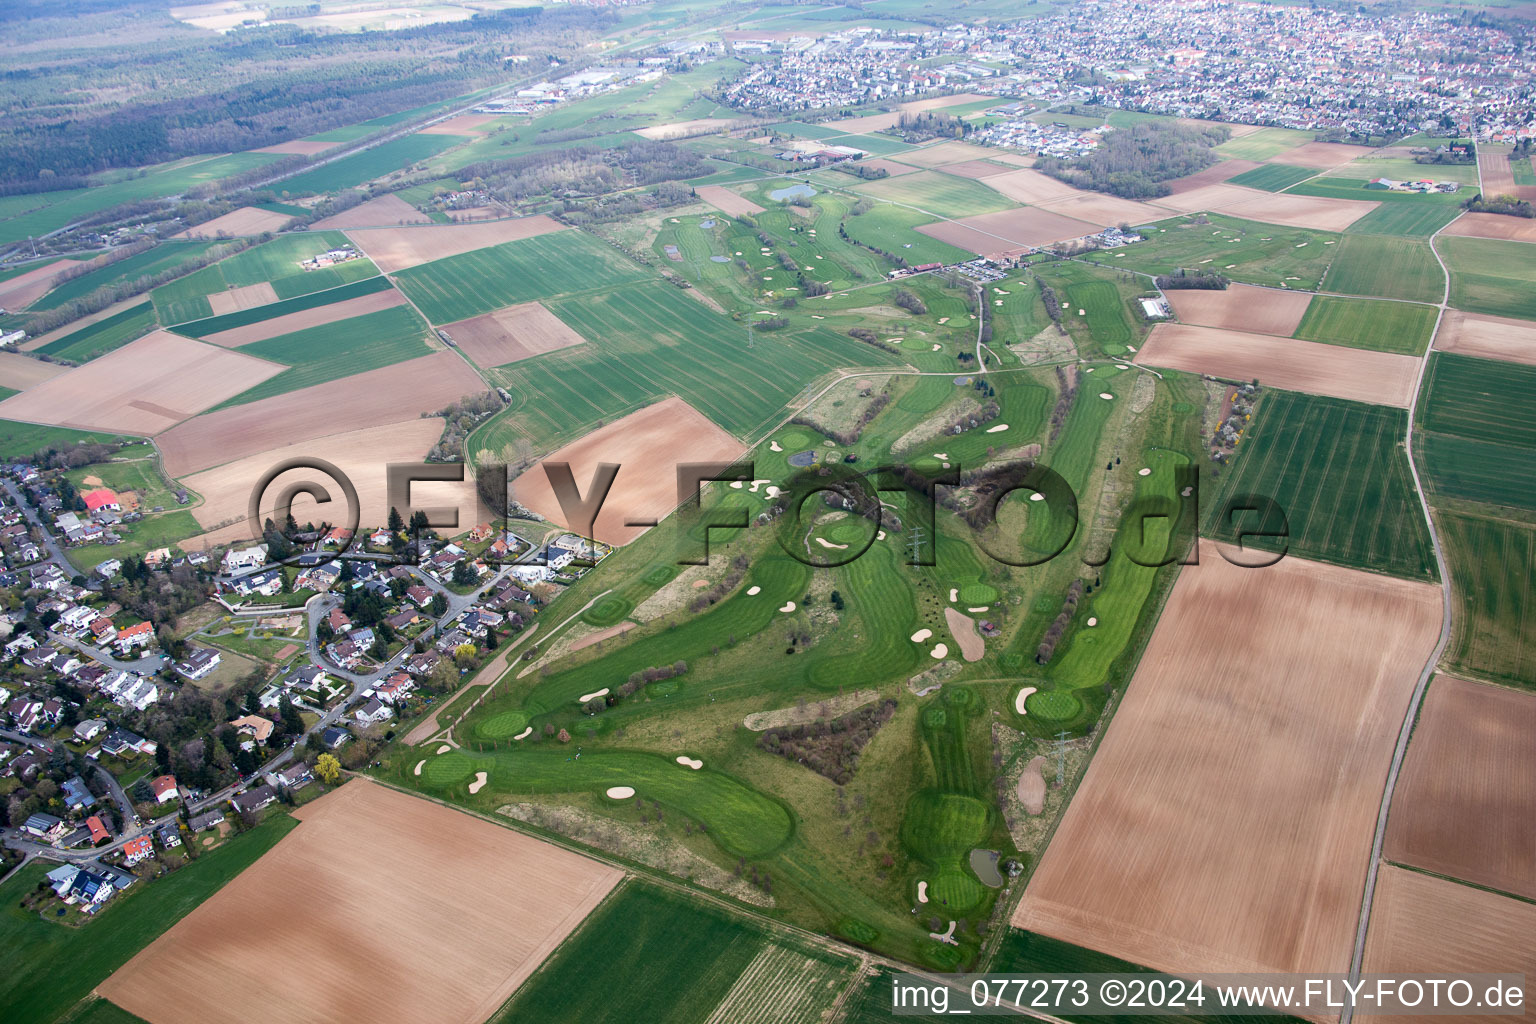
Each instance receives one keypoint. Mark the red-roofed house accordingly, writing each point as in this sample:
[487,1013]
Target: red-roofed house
[164,788]
[140,634]
[101,498]
[99,833]
[135,850]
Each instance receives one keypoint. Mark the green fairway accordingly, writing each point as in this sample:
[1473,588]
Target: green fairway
[163,257]
[1493,570]
[890,228]
[1337,471]
[502,275]
[1491,276]
[35,988]
[335,350]
[276,262]
[272,310]
[1375,324]
[350,171]
[672,958]
[1385,267]
[1242,250]
[1273,177]
[103,336]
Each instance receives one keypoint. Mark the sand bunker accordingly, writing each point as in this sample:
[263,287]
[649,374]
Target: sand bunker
[789,606]
[963,628]
[1093,621]
[1018,701]
[620,792]
[922,892]
[997,429]
[479,783]
[939,651]
[954,593]
[828,544]
[979,608]
[774,446]
[592,696]
[444,749]
[417,770]
[921,635]
[1106,396]
[524,734]
[1031,787]
[1144,471]
[690,762]
[754,591]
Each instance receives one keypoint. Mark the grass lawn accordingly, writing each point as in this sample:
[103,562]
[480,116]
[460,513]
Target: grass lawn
[335,350]
[1337,472]
[36,985]
[1273,177]
[104,335]
[1376,324]
[20,439]
[945,195]
[153,531]
[1405,168]
[890,228]
[1491,276]
[139,476]
[1385,267]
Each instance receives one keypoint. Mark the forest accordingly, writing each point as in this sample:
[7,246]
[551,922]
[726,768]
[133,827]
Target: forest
[1137,162]
[74,108]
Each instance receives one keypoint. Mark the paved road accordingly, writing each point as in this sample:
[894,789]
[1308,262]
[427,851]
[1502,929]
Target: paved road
[148,665]
[124,805]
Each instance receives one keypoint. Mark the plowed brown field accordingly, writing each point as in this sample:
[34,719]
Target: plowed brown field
[383,212]
[395,249]
[1242,307]
[1226,821]
[290,322]
[513,333]
[1493,225]
[1011,231]
[1494,337]
[245,221]
[726,201]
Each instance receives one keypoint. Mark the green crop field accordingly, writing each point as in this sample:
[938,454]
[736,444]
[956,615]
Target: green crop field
[1264,144]
[1491,276]
[1522,170]
[1404,220]
[650,340]
[163,257]
[502,275]
[945,195]
[670,957]
[335,350]
[1480,399]
[272,310]
[1493,571]
[1273,177]
[1338,472]
[1355,188]
[1375,324]
[359,168]
[1243,250]
[1403,168]
[1479,430]
[1385,267]
[34,988]
[276,262]
[103,336]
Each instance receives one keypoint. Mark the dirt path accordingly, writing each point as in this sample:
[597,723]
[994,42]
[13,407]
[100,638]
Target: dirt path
[492,670]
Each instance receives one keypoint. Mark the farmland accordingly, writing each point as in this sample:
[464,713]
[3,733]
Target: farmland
[1490,276]
[283,308]
[336,350]
[675,958]
[1264,144]
[1385,267]
[472,283]
[33,987]
[1273,177]
[163,257]
[1492,563]
[350,171]
[1460,392]
[1380,326]
[943,194]
[1338,472]
[21,439]
[1467,785]
[274,264]
[891,228]
[1230,822]
[506,905]
[103,336]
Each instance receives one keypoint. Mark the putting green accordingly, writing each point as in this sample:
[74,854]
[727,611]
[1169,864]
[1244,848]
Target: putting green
[978,593]
[1053,705]
[500,726]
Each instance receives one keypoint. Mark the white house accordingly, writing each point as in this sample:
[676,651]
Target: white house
[240,559]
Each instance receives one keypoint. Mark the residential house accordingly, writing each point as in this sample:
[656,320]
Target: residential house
[320,578]
[140,634]
[130,690]
[137,849]
[402,620]
[420,596]
[253,800]
[99,833]
[76,796]
[90,729]
[170,836]
[207,820]
[338,621]
[102,498]
[102,630]
[241,559]
[164,788]
[198,664]
[346,653]
[108,568]
[305,677]
[294,777]
[267,583]
[423,664]
[333,737]
[24,766]
[121,742]
[25,712]
[46,827]
[372,712]
[254,726]
[89,890]
[395,689]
